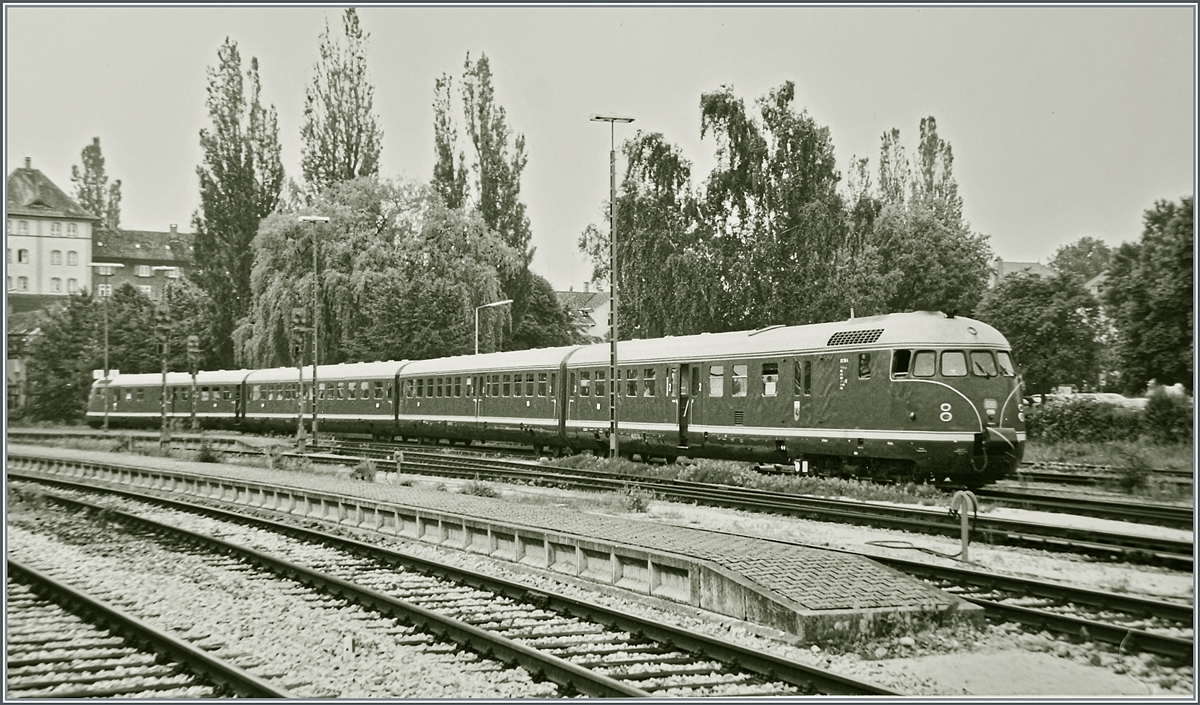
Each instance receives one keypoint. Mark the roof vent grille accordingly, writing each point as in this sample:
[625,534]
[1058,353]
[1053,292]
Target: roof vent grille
[855,337]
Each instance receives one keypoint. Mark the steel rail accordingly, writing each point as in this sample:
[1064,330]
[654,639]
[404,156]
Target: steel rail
[1171,516]
[216,670]
[560,671]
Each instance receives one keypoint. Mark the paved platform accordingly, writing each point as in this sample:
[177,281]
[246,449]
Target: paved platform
[817,595]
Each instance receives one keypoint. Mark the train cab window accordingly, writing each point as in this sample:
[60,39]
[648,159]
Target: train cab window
[648,379]
[601,384]
[864,365]
[585,384]
[716,381]
[740,385]
[528,384]
[631,383]
[507,391]
[901,359]
[1007,368]
[923,363]
[457,387]
[982,364]
[770,379]
[541,384]
[954,364]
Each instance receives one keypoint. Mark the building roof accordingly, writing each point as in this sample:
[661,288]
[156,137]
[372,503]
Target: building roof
[30,193]
[142,244]
[1003,268]
[582,300]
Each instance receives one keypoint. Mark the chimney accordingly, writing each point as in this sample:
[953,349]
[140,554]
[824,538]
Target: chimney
[174,228]
[585,287]
[28,161]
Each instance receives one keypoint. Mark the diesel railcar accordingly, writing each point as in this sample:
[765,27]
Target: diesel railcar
[911,396]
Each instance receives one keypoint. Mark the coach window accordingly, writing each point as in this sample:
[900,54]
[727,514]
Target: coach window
[900,362]
[864,365]
[227,393]
[1006,364]
[365,390]
[601,384]
[439,394]
[528,384]
[982,364]
[631,383]
[341,390]
[541,384]
[256,392]
[129,395]
[648,377]
[420,388]
[350,395]
[923,363]
[770,378]
[572,385]
[495,385]
[716,381]
[585,383]
[183,394]
[553,383]
[954,364]
[740,380]
[507,390]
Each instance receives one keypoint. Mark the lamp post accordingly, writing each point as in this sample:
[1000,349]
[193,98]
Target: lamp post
[106,271]
[612,120]
[164,325]
[314,219]
[495,303]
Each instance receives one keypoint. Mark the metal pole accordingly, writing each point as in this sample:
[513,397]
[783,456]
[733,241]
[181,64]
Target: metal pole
[300,396]
[315,319]
[612,275]
[477,330]
[107,403]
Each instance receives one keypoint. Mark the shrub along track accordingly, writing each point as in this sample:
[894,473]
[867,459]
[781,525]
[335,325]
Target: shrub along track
[65,643]
[585,648]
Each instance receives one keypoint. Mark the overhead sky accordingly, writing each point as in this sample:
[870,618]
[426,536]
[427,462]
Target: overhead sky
[1065,122]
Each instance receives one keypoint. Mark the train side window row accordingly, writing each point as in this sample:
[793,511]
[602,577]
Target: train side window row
[527,384]
[954,363]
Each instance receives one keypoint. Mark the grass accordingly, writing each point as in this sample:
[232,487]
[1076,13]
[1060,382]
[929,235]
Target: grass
[1166,457]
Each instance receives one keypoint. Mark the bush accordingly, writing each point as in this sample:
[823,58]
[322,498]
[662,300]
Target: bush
[478,488]
[1083,420]
[365,470]
[206,454]
[1168,417]
[633,498]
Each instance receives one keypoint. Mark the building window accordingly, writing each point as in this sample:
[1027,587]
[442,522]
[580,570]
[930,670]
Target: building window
[56,285]
[143,270]
[72,230]
[23,255]
[55,257]
[22,227]
[72,258]
[23,283]
[146,289]
[104,271]
[104,290]
[56,229]
[173,273]
[72,286]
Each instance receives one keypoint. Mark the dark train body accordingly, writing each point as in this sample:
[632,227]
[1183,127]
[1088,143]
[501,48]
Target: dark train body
[916,395]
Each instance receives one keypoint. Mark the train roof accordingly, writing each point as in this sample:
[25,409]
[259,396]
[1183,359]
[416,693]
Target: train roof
[151,379]
[916,329]
[539,358]
[350,370]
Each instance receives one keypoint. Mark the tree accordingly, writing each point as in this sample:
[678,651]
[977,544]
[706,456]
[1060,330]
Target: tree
[92,190]
[241,177]
[341,137]
[1086,258]
[449,174]
[1052,324]
[400,275]
[61,357]
[1149,295]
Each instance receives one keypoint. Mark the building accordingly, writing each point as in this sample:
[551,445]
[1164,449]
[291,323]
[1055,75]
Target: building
[150,259]
[49,242]
[1001,269]
[589,309]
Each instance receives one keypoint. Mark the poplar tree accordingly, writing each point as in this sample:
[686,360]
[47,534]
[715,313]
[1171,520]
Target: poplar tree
[241,177]
[92,190]
[341,136]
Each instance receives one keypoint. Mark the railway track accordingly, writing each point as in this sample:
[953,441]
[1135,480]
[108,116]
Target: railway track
[64,643]
[1171,516]
[583,648]
[1109,544]
[1090,475]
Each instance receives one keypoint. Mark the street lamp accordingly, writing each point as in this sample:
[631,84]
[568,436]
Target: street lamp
[495,303]
[314,219]
[164,441]
[612,275]
[106,271]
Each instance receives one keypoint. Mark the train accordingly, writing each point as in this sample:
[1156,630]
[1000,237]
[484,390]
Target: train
[917,396]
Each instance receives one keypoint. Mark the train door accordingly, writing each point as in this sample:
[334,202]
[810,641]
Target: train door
[802,389]
[689,392]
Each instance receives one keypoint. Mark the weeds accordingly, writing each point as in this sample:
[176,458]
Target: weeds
[1133,473]
[634,498]
[365,470]
[478,488]
[207,454]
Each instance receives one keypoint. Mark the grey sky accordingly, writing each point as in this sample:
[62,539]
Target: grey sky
[1064,122]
